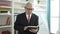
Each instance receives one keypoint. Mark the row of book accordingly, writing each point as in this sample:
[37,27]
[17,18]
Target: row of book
[16,5]
[5,12]
[3,4]
[6,21]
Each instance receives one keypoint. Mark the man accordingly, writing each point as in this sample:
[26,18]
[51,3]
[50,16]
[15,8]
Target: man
[26,19]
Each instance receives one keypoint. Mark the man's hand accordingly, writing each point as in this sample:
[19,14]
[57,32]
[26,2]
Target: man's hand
[25,27]
[33,30]
[15,31]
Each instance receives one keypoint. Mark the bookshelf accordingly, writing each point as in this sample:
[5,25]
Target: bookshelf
[6,15]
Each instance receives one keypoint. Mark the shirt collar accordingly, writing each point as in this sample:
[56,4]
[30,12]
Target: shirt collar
[27,15]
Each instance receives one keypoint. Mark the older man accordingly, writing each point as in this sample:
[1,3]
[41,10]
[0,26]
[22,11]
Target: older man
[26,19]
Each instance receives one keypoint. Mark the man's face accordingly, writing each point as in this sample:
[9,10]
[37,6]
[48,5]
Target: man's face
[28,9]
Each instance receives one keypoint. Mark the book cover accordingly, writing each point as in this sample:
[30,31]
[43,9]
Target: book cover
[6,32]
[32,27]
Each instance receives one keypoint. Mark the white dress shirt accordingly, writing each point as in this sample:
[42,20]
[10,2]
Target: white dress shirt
[27,16]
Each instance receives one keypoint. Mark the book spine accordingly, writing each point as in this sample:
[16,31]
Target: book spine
[8,21]
[4,5]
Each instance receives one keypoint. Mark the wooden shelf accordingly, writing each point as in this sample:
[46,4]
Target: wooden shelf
[4,14]
[5,7]
[5,26]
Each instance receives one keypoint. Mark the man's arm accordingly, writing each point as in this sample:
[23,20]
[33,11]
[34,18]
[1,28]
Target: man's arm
[17,25]
[36,24]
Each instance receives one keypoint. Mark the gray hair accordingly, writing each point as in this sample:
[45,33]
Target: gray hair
[29,3]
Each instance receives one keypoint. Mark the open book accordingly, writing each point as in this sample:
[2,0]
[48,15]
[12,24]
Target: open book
[32,27]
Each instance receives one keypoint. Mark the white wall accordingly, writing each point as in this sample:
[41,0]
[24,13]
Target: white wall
[43,24]
[41,11]
[54,16]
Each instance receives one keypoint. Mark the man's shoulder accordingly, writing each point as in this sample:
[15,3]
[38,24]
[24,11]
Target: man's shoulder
[21,14]
[35,15]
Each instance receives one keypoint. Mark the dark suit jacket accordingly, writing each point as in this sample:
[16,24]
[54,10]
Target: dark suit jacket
[21,22]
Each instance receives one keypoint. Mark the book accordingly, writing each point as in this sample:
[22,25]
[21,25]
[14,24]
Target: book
[4,4]
[5,9]
[6,32]
[4,12]
[32,27]
[5,21]
[8,21]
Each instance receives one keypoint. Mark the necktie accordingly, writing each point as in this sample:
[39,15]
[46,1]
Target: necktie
[28,18]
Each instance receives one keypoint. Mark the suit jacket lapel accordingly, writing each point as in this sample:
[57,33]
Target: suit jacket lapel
[26,18]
